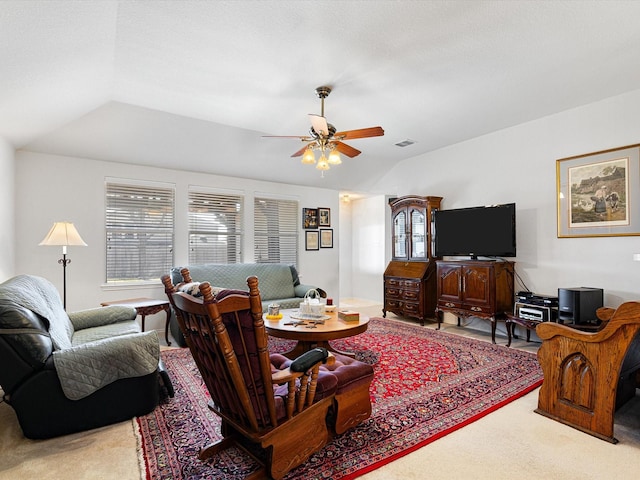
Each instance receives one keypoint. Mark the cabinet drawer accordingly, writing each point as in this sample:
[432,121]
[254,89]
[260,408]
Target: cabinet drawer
[448,304]
[393,282]
[411,285]
[393,292]
[479,309]
[411,295]
[393,304]
[410,307]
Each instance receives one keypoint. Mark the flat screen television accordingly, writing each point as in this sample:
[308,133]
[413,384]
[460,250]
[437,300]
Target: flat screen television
[487,231]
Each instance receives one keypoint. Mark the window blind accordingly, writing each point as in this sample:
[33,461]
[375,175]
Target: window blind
[215,227]
[275,231]
[139,227]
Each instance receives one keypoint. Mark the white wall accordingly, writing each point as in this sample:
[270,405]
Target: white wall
[519,165]
[7,214]
[345,250]
[368,245]
[52,188]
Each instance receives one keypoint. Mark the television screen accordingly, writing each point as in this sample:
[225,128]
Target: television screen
[476,232]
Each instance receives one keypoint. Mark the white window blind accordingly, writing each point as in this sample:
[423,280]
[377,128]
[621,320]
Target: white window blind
[139,225]
[276,231]
[215,227]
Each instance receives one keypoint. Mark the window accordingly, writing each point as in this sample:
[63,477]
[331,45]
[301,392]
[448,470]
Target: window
[215,227]
[139,226]
[276,231]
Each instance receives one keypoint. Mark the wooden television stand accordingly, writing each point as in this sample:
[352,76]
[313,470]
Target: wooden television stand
[475,288]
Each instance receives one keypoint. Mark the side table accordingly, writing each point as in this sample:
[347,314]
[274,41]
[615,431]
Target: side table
[147,306]
[513,320]
[529,325]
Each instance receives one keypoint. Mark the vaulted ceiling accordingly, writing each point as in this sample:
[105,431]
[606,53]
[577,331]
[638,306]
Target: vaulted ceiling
[196,84]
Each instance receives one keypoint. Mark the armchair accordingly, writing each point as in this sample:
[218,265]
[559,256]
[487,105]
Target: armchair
[277,408]
[66,373]
[587,375]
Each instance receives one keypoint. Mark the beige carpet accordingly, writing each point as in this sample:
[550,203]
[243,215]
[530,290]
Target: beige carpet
[513,442]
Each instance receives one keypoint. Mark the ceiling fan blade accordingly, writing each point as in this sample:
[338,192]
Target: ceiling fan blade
[347,150]
[360,133]
[300,152]
[301,137]
[319,124]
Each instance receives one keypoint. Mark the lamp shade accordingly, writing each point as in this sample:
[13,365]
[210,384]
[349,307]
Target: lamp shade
[334,157]
[308,158]
[63,233]
[322,163]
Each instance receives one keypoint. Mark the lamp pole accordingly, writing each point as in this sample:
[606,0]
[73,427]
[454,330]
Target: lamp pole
[64,261]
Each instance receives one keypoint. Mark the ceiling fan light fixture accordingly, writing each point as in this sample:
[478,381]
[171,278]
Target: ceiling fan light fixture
[308,158]
[323,164]
[334,157]
[324,138]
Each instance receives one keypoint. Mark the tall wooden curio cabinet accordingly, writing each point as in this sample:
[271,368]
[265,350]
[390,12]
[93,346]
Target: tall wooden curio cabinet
[410,279]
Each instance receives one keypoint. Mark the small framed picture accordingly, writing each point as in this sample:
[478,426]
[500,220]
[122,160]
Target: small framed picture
[311,240]
[326,238]
[309,218]
[324,217]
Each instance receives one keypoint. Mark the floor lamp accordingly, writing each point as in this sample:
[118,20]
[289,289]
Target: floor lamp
[63,234]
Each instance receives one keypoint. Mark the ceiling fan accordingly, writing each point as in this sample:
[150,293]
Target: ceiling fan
[324,137]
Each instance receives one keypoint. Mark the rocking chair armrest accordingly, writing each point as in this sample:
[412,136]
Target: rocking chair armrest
[285,375]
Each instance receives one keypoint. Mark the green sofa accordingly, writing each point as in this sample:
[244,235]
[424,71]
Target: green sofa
[279,283]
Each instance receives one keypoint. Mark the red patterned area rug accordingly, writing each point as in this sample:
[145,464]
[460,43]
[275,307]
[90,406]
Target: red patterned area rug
[427,384]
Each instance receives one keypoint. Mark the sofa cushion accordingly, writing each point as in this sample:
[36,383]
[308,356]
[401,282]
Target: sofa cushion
[98,316]
[85,368]
[275,280]
[94,334]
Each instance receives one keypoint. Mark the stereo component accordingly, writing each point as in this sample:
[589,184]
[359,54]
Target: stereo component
[579,305]
[535,312]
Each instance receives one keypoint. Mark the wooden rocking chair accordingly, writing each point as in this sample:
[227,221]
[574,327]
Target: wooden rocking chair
[278,409]
[588,374]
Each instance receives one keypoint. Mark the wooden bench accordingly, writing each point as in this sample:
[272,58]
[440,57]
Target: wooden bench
[587,375]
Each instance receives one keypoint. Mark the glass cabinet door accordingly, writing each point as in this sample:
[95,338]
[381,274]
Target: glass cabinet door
[400,235]
[418,235]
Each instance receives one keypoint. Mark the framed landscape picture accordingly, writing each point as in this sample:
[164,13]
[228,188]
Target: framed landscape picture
[309,218]
[595,192]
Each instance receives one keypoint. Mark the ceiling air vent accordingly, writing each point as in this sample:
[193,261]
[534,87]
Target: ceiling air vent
[405,143]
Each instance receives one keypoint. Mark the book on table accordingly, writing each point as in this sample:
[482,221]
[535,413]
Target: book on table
[348,316]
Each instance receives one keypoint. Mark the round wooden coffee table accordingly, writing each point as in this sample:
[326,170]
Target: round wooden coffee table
[310,335]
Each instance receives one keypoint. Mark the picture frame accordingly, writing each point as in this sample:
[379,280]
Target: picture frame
[311,240]
[326,238]
[324,217]
[595,193]
[309,218]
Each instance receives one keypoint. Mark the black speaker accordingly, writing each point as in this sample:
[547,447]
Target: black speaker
[579,305]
